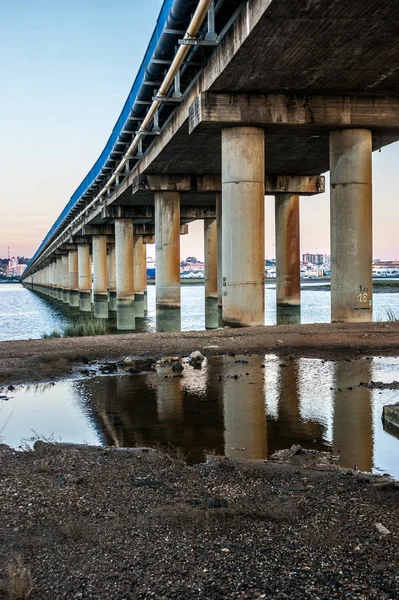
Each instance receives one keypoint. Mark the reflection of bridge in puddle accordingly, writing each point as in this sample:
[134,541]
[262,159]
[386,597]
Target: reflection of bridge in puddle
[222,408]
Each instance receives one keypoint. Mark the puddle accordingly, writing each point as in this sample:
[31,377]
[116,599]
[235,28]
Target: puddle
[243,406]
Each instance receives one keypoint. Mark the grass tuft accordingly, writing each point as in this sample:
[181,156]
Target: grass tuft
[391,315]
[20,583]
[85,327]
[53,334]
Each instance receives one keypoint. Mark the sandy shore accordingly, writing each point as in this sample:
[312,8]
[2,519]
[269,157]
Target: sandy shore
[42,360]
[99,523]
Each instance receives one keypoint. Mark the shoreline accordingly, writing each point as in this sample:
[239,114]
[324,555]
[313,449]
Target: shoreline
[96,522]
[31,361]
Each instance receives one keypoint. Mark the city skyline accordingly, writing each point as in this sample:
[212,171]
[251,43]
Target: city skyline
[56,136]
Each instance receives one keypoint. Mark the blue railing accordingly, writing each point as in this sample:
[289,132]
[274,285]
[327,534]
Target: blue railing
[99,164]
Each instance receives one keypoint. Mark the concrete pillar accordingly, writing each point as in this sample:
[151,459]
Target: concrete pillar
[65,278]
[53,278]
[167,249]
[84,270]
[211,258]
[124,274]
[219,246]
[351,225]
[59,278]
[288,284]
[112,277]
[100,276]
[140,275]
[73,278]
[243,217]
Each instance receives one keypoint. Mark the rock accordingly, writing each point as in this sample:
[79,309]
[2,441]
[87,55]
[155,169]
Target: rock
[381,529]
[11,388]
[196,359]
[127,361]
[296,449]
[390,415]
[5,398]
[108,368]
[177,368]
[242,362]
[215,502]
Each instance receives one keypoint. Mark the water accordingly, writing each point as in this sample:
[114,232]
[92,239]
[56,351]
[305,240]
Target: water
[271,404]
[25,314]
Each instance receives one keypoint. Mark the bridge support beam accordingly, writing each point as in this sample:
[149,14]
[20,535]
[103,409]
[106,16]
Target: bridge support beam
[59,277]
[243,238]
[112,277]
[211,258]
[351,225]
[65,278]
[73,278]
[288,283]
[124,274]
[140,275]
[167,248]
[100,276]
[84,270]
[219,246]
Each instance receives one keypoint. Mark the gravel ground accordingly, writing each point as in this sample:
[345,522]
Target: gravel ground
[98,523]
[43,360]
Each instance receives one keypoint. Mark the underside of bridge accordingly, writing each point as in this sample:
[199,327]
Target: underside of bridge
[291,89]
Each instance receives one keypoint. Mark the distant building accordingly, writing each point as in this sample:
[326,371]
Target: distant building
[14,268]
[314,259]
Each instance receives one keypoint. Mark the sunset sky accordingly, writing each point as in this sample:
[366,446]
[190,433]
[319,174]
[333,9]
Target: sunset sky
[66,69]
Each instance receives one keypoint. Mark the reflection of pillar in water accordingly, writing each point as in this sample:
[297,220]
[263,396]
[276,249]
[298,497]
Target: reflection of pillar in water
[290,428]
[244,409]
[353,418]
[168,319]
[211,313]
[169,399]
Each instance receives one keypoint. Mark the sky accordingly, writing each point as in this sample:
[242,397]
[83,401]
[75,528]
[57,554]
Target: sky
[66,68]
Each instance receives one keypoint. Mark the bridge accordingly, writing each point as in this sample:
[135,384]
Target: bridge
[234,100]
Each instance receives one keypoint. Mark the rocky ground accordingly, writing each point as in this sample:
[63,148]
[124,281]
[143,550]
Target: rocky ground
[43,360]
[98,523]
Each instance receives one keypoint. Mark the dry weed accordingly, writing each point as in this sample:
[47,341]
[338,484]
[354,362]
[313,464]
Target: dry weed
[20,584]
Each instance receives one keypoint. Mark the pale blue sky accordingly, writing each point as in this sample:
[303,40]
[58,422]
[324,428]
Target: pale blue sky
[66,68]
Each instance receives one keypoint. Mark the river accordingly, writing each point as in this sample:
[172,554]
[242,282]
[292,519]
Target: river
[25,314]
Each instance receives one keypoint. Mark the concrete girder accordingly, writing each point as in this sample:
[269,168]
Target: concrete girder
[305,185]
[176,183]
[187,213]
[296,113]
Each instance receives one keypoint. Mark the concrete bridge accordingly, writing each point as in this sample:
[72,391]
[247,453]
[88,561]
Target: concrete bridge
[235,100]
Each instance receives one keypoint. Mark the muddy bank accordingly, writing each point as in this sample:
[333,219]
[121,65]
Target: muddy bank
[103,523]
[43,360]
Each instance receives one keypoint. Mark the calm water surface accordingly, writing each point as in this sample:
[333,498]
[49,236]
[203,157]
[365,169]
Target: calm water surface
[269,405]
[25,314]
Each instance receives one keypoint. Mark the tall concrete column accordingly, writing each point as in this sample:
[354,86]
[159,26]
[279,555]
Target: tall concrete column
[53,278]
[219,246]
[243,225]
[112,277]
[73,278]
[59,278]
[167,248]
[288,284]
[211,258]
[100,276]
[351,225]
[65,278]
[84,270]
[140,275]
[124,274]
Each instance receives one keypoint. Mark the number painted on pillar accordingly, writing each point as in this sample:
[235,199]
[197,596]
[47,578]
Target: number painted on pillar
[363,297]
